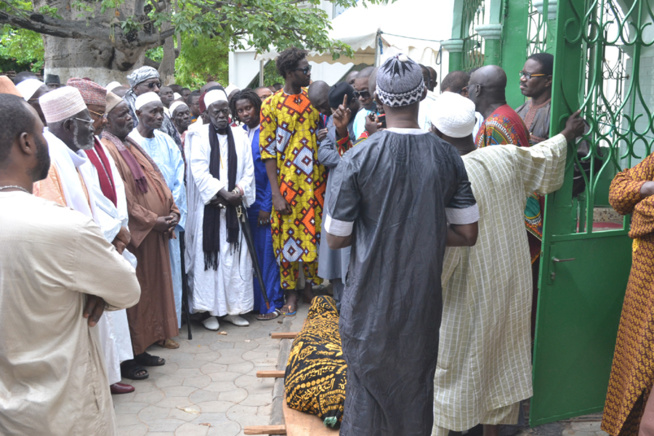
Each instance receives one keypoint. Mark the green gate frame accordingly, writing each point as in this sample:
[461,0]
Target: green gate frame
[580,301]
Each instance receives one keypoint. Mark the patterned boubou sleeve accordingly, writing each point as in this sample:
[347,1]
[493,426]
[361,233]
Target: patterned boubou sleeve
[625,197]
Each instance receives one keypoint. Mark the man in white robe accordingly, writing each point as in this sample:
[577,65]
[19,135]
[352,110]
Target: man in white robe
[484,355]
[222,284]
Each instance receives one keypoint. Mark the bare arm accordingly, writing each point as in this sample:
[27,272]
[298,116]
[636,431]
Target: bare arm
[336,242]
[461,235]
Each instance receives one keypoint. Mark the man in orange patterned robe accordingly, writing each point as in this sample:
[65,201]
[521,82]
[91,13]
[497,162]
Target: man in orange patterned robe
[632,374]
[297,180]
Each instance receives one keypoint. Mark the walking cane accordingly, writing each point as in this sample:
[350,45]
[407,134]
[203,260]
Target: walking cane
[247,234]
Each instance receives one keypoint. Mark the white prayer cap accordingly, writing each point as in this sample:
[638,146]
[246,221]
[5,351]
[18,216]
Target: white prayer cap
[231,88]
[146,98]
[176,96]
[453,115]
[61,103]
[113,85]
[175,105]
[28,87]
[214,96]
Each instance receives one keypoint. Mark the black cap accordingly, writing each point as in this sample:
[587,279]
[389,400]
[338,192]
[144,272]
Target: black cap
[337,92]
[52,78]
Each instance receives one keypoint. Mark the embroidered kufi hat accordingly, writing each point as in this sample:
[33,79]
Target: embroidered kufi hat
[61,103]
[453,114]
[400,82]
[146,98]
[142,74]
[112,100]
[92,93]
[28,87]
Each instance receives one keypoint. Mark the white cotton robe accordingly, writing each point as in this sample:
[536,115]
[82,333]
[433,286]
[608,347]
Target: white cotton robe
[484,354]
[229,289]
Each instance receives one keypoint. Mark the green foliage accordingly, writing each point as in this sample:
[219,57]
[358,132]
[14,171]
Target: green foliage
[270,74]
[20,50]
[201,59]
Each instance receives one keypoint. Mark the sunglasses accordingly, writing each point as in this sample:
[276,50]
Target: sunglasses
[361,94]
[528,76]
[306,70]
[151,85]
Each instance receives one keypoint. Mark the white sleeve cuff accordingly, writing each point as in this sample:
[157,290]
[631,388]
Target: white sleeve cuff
[338,228]
[468,215]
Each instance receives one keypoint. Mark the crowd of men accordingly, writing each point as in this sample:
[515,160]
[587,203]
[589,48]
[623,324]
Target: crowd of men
[422,210]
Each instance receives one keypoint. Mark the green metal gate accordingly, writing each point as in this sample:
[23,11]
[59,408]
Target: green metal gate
[604,58]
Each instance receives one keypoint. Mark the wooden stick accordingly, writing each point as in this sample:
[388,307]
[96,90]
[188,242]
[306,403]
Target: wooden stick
[265,429]
[271,374]
[284,335]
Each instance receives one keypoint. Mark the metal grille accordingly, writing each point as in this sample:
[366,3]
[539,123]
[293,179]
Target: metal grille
[473,44]
[616,101]
[537,30]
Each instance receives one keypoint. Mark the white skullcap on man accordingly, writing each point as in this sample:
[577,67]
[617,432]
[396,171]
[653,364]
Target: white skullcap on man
[61,103]
[146,98]
[175,105]
[214,96]
[231,88]
[28,87]
[453,115]
[176,95]
[113,85]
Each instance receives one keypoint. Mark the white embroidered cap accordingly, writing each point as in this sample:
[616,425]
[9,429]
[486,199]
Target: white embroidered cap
[453,115]
[113,85]
[61,103]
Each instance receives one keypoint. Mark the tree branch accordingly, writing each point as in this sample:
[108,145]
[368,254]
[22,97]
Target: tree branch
[88,29]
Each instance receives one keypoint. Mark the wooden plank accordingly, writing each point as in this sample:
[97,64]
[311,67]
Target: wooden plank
[284,335]
[304,424]
[271,374]
[265,429]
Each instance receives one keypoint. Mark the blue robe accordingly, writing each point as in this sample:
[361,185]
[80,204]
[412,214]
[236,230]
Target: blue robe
[262,235]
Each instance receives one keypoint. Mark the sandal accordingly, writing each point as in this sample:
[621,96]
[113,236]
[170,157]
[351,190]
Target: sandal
[168,343]
[147,359]
[131,370]
[269,316]
[289,309]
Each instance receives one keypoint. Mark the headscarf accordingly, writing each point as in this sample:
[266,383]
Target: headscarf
[142,74]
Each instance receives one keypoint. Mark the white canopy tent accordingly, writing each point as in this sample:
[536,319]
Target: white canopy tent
[413,27]
[375,32]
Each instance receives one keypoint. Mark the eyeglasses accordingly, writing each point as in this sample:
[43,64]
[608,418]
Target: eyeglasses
[528,76]
[362,94]
[306,70]
[88,122]
[97,114]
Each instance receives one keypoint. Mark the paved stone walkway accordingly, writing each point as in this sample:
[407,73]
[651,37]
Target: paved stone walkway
[208,386]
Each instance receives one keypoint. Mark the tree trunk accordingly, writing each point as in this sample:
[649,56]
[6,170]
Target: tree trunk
[98,61]
[97,58]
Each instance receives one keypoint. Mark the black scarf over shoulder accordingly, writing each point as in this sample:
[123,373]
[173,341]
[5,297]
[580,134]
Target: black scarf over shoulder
[211,222]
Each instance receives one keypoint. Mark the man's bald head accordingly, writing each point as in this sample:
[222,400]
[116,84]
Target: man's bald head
[490,76]
[487,88]
[319,96]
